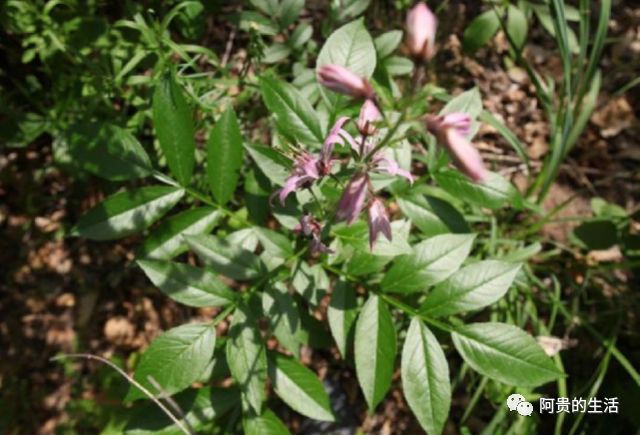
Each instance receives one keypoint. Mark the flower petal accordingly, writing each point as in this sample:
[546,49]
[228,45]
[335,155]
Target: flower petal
[353,198]
[390,166]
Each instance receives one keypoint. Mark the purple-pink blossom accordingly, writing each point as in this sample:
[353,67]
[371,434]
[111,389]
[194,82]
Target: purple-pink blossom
[378,221]
[382,163]
[451,131]
[337,135]
[305,171]
[421,32]
[353,198]
[344,81]
[369,115]
[459,120]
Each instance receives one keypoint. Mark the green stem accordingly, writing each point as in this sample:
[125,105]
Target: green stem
[387,138]
[195,194]
[223,315]
[409,310]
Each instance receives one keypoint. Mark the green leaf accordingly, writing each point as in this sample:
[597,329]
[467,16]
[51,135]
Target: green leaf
[108,151]
[289,12]
[224,157]
[301,35]
[226,258]
[250,21]
[432,215]
[469,102]
[387,42]
[175,359]
[127,212]
[350,46]
[276,52]
[471,288]
[341,315]
[432,261]
[201,406]
[506,133]
[173,122]
[295,118]
[596,234]
[604,209]
[357,235]
[279,307]
[425,378]
[187,284]
[269,7]
[257,190]
[517,26]
[266,424]
[361,263]
[351,8]
[311,282]
[273,164]
[166,241]
[299,388]
[544,15]
[480,30]
[274,243]
[587,106]
[247,358]
[313,332]
[504,353]
[398,245]
[375,350]
[398,65]
[493,193]
[245,238]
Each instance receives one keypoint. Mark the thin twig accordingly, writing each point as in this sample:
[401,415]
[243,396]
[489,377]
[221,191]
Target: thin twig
[228,48]
[163,395]
[132,381]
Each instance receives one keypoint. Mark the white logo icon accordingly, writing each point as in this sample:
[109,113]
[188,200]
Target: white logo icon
[516,402]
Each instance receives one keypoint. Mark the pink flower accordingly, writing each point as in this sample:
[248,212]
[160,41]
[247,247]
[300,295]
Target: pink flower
[342,80]
[336,135]
[386,164]
[369,114]
[378,221]
[309,226]
[308,168]
[458,120]
[353,198]
[305,171]
[380,162]
[450,130]
[421,32]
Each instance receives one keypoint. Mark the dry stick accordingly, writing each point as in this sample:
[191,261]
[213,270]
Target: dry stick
[133,382]
[228,47]
[163,395]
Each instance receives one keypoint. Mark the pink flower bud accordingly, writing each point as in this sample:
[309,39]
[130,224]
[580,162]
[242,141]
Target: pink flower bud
[378,221]
[353,198]
[369,114]
[342,80]
[421,32]
[459,120]
[451,135]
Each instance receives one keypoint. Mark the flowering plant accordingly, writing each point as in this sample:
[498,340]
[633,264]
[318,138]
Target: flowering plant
[296,250]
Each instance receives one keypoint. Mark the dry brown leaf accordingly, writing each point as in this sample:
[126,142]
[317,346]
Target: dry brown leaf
[616,116]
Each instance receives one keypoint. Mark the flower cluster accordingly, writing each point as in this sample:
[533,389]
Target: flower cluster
[451,131]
